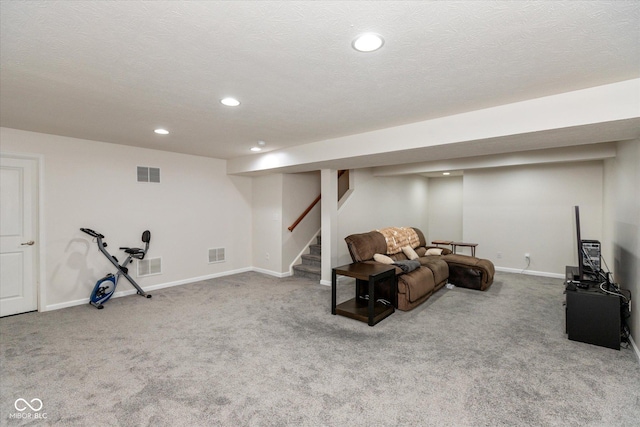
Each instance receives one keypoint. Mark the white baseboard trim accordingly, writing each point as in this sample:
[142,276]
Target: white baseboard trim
[67,304]
[119,294]
[193,280]
[51,307]
[503,269]
[271,272]
[530,272]
[340,279]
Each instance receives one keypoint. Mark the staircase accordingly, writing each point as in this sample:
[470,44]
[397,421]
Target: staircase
[310,267]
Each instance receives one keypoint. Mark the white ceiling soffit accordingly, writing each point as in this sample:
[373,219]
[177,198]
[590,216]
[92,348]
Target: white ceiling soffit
[580,153]
[114,71]
[600,114]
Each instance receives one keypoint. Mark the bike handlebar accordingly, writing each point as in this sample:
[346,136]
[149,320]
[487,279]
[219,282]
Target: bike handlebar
[92,233]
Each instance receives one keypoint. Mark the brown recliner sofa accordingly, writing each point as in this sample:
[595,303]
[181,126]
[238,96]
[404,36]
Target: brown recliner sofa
[416,286]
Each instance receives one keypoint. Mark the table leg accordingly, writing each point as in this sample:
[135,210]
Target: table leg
[372,299]
[333,291]
[394,290]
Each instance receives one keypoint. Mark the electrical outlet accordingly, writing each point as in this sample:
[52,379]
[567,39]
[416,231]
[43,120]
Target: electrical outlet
[266,256]
[499,255]
[527,257]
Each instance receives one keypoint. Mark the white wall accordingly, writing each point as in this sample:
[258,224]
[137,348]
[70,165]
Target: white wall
[378,202]
[626,266]
[267,223]
[375,202]
[278,200]
[445,209]
[91,184]
[529,209]
[299,191]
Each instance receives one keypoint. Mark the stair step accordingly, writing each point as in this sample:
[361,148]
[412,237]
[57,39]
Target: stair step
[307,271]
[311,259]
[311,262]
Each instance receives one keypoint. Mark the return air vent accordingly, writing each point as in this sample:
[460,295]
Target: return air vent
[146,174]
[216,255]
[149,267]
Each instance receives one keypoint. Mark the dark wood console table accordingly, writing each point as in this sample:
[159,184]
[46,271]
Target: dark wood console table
[367,276]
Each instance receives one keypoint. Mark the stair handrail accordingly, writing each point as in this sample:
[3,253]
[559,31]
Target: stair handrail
[306,211]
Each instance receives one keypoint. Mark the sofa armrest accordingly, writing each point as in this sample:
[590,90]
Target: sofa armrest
[422,250]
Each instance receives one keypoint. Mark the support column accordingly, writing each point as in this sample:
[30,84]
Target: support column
[329,222]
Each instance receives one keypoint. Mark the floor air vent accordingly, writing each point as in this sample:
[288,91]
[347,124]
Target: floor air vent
[216,255]
[146,174]
[149,267]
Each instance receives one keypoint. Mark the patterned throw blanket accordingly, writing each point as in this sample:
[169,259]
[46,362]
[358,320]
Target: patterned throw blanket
[399,237]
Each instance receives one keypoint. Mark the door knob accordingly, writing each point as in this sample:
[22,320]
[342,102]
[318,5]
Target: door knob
[29,243]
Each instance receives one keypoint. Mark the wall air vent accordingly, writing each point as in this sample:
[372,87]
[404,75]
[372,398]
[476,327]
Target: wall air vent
[146,174]
[216,255]
[149,267]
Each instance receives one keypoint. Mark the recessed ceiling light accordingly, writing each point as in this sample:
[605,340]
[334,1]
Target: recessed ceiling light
[162,131]
[230,102]
[446,173]
[368,42]
[259,147]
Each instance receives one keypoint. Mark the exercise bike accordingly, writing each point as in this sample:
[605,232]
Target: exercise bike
[105,287]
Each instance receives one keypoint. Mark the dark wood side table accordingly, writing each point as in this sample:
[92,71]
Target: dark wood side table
[455,245]
[443,242]
[366,310]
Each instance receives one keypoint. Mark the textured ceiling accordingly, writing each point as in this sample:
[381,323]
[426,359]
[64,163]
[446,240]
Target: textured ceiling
[114,71]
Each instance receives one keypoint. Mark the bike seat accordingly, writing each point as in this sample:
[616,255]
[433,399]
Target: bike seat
[139,253]
[133,251]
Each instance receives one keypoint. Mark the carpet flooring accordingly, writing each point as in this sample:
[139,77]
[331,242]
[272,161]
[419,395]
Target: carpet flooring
[253,350]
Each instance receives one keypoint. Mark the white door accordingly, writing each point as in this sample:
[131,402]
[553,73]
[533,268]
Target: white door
[18,210]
